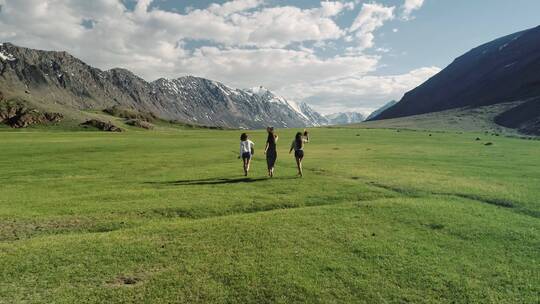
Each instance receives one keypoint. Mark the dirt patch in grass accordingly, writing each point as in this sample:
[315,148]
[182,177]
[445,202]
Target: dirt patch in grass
[318,171]
[435,226]
[124,281]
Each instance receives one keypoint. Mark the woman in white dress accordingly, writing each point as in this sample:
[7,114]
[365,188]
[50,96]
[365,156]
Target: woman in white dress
[246,151]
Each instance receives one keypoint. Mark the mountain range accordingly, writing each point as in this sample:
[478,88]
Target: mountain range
[500,78]
[501,71]
[59,81]
[344,118]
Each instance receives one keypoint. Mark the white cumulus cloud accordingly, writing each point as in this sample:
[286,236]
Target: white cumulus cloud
[234,6]
[371,17]
[409,6]
[359,92]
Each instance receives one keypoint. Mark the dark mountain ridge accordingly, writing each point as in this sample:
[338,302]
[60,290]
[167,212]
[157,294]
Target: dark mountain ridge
[383,108]
[502,70]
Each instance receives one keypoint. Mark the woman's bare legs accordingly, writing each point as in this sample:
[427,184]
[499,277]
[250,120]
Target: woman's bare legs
[246,166]
[248,162]
[299,166]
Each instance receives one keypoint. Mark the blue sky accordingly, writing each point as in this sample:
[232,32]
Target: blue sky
[441,31]
[336,55]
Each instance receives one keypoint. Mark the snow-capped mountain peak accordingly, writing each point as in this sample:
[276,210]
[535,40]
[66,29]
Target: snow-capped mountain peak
[260,91]
[4,55]
[270,96]
[343,118]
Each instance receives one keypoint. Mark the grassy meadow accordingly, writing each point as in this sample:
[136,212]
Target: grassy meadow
[165,216]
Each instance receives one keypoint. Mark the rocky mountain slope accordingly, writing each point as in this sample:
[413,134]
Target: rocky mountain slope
[344,118]
[504,70]
[315,117]
[309,116]
[60,81]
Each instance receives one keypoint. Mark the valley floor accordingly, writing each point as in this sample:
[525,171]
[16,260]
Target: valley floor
[165,217]
[480,119]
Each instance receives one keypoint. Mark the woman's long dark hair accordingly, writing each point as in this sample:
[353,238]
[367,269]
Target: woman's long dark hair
[243,137]
[271,136]
[298,140]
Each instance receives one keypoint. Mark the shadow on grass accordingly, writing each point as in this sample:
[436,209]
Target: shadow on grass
[216,181]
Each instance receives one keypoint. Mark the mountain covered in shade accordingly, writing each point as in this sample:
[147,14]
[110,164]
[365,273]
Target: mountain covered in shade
[377,112]
[59,80]
[503,70]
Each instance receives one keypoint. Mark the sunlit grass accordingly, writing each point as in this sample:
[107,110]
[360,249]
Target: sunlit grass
[160,217]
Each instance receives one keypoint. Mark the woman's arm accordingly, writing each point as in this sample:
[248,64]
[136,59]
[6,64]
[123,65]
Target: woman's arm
[266,147]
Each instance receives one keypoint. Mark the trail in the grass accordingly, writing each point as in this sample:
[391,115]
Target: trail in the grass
[502,203]
[152,217]
[165,214]
[413,192]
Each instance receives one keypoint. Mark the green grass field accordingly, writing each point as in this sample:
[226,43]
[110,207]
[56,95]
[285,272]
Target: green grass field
[166,217]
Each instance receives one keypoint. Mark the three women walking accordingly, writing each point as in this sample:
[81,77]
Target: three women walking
[247,150]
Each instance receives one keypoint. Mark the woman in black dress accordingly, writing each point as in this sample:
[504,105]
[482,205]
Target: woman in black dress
[270,150]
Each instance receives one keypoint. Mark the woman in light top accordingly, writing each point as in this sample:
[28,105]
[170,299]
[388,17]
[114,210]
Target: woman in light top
[246,151]
[270,150]
[298,147]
